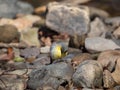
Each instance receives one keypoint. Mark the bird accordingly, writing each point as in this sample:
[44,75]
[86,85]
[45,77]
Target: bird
[58,50]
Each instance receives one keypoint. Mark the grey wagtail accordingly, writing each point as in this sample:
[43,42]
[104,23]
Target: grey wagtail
[58,50]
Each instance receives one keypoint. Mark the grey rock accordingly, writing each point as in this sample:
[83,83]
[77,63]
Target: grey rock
[50,76]
[97,28]
[29,52]
[68,19]
[115,21]
[9,33]
[98,44]
[88,75]
[45,49]
[9,8]
[30,37]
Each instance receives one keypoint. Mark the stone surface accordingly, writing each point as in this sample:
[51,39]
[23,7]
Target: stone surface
[67,19]
[108,59]
[88,75]
[96,12]
[9,33]
[30,37]
[116,33]
[108,80]
[29,52]
[79,58]
[115,21]
[45,49]
[9,8]
[116,72]
[21,23]
[97,44]
[50,76]
[12,83]
[97,28]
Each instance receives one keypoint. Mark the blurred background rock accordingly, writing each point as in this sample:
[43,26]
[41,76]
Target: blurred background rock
[107,5]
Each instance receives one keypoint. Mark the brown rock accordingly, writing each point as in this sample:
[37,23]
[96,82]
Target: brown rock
[108,79]
[116,73]
[9,33]
[108,59]
[80,58]
[116,33]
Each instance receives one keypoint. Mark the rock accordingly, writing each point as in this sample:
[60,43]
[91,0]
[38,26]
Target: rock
[108,59]
[91,89]
[45,49]
[79,58]
[88,75]
[116,72]
[114,22]
[9,33]
[96,12]
[9,9]
[98,44]
[77,41]
[97,28]
[29,52]
[21,23]
[51,76]
[75,2]
[75,21]
[108,81]
[30,37]
[11,82]
[116,33]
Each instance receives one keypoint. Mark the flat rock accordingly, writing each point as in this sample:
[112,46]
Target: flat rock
[29,52]
[97,28]
[68,19]
[9,33]
[88,75]
[30,37]
[50,76]
[98,44]
[9,8]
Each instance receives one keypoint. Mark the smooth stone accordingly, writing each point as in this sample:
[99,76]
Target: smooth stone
[75,21]
[88,75]
[29,52]
[21,23]
[96,12]
[50,76]
[116,33]
[97,28]
[10,8]
[9,33]
[30,37]
[45,49]
[113,21]
[98,44]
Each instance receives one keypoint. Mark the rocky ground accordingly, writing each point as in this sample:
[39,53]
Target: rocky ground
[92,35]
